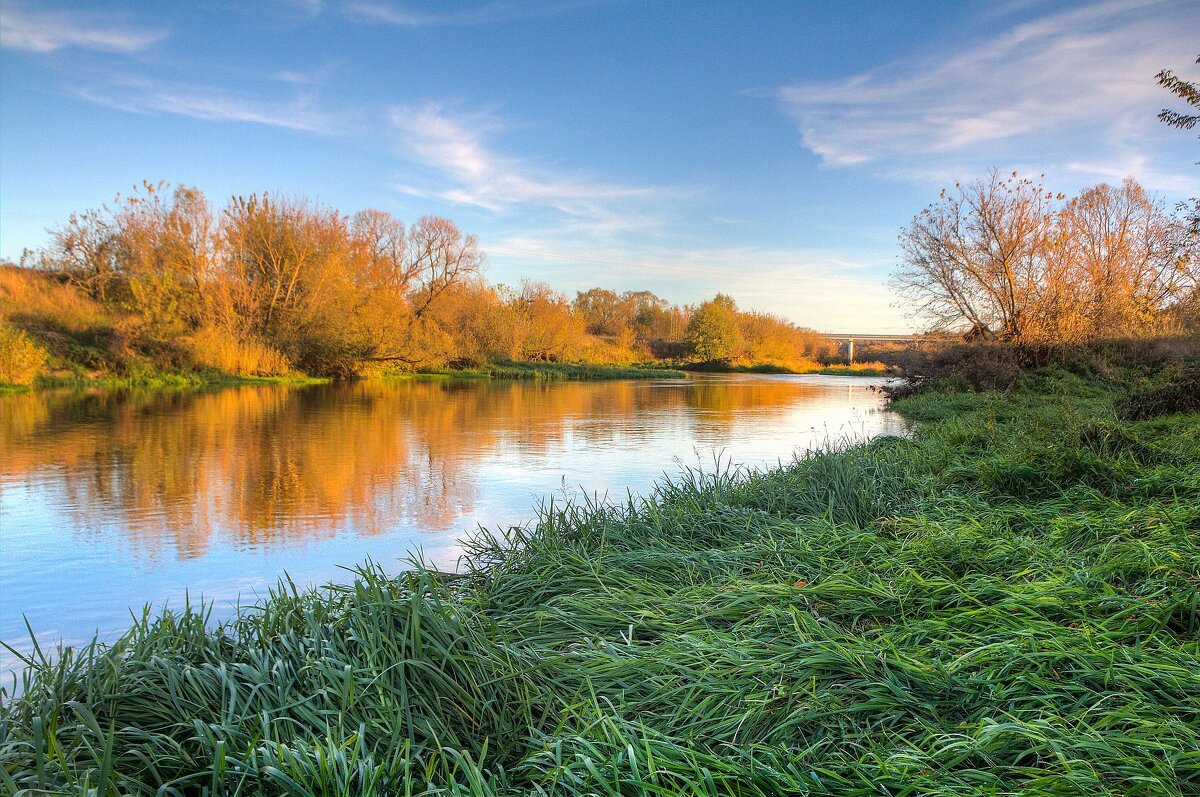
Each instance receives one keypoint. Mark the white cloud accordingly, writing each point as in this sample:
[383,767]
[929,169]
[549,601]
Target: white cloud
[208,103]
[47,31]
[378,12]
[1080,79]
[454,147]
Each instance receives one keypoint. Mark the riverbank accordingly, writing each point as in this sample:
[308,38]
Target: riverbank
[814,369]
[1006,602]
[164,379]
[553,372]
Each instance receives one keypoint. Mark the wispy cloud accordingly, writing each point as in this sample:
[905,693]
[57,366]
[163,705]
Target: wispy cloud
[43,31]
[1076,78]
[454,147]
[378,12]
[298,112]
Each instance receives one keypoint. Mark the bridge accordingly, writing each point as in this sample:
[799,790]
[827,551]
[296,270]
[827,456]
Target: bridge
[848,339]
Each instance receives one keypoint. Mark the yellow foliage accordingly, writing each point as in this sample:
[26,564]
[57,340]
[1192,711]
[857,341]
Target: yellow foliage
[243,356]
[21,360]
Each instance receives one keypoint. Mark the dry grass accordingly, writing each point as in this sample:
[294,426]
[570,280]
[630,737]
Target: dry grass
[217,348]
[29,296]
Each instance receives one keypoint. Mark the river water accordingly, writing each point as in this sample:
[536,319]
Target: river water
[111,500]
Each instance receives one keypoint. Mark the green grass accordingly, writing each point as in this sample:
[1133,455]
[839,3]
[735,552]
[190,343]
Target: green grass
[1006,603]
[851,370]
[556,372]
[149,377]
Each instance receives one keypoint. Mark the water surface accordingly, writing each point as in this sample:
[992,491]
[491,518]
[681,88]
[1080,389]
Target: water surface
[110,500]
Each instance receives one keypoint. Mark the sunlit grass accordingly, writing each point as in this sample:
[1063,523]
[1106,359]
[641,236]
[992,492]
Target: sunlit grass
[1006,603]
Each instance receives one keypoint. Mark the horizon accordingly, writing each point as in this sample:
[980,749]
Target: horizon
[687,151]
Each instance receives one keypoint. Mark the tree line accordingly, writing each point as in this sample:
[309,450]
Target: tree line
[270,285]
[1005,258]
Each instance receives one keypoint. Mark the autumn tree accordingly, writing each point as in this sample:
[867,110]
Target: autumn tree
[1114,268]
[439,255]
[1006,259]
[605,312]
[83,251]
[548,329]
[713,330]
[972,260]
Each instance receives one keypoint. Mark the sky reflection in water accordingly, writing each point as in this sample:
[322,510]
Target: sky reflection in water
[114,499]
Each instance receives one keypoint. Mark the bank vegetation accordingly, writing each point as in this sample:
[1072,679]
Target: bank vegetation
[274,286]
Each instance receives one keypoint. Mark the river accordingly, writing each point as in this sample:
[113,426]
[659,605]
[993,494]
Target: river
[111,500]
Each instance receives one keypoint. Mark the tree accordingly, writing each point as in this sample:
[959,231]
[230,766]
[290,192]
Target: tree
[1116,265]
[1006,259]
[1190,93]
[1185,90]
[439,257]
[604,312]
[549,330]
[972,260]
[713,330]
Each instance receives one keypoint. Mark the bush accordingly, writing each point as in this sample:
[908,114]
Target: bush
[1179,392]
[977,367]
[21,360]
[220,349]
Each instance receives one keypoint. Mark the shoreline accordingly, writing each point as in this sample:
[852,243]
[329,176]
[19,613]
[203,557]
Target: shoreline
[855,618]
[518,371]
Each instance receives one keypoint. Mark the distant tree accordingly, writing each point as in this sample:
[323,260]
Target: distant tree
[548,329]
[713,331]
[604,311]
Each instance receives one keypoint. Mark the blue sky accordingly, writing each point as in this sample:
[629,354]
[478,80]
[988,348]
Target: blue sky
[768,150]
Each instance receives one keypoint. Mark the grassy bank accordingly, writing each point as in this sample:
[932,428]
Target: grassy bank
[856,369]
[556,372]
[1006,603]
[154,378]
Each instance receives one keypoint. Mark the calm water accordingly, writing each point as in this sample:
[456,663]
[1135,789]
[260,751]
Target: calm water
[111,500]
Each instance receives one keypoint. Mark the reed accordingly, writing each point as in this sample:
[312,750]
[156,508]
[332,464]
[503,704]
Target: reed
[1006,602]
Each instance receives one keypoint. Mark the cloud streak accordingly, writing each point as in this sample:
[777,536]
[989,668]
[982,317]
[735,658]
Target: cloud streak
[209,103]
[454,147]
[1075,77]
[49,31]
[378,12]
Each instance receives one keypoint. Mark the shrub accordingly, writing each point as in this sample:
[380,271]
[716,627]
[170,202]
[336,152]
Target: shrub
[21,360]
[221,349]
[1179,392]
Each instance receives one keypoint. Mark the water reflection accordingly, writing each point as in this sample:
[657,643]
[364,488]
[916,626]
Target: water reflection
[137,496]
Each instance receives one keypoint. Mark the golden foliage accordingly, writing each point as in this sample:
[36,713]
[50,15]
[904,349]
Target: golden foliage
[1003,258]
[233,354]
[21,360]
